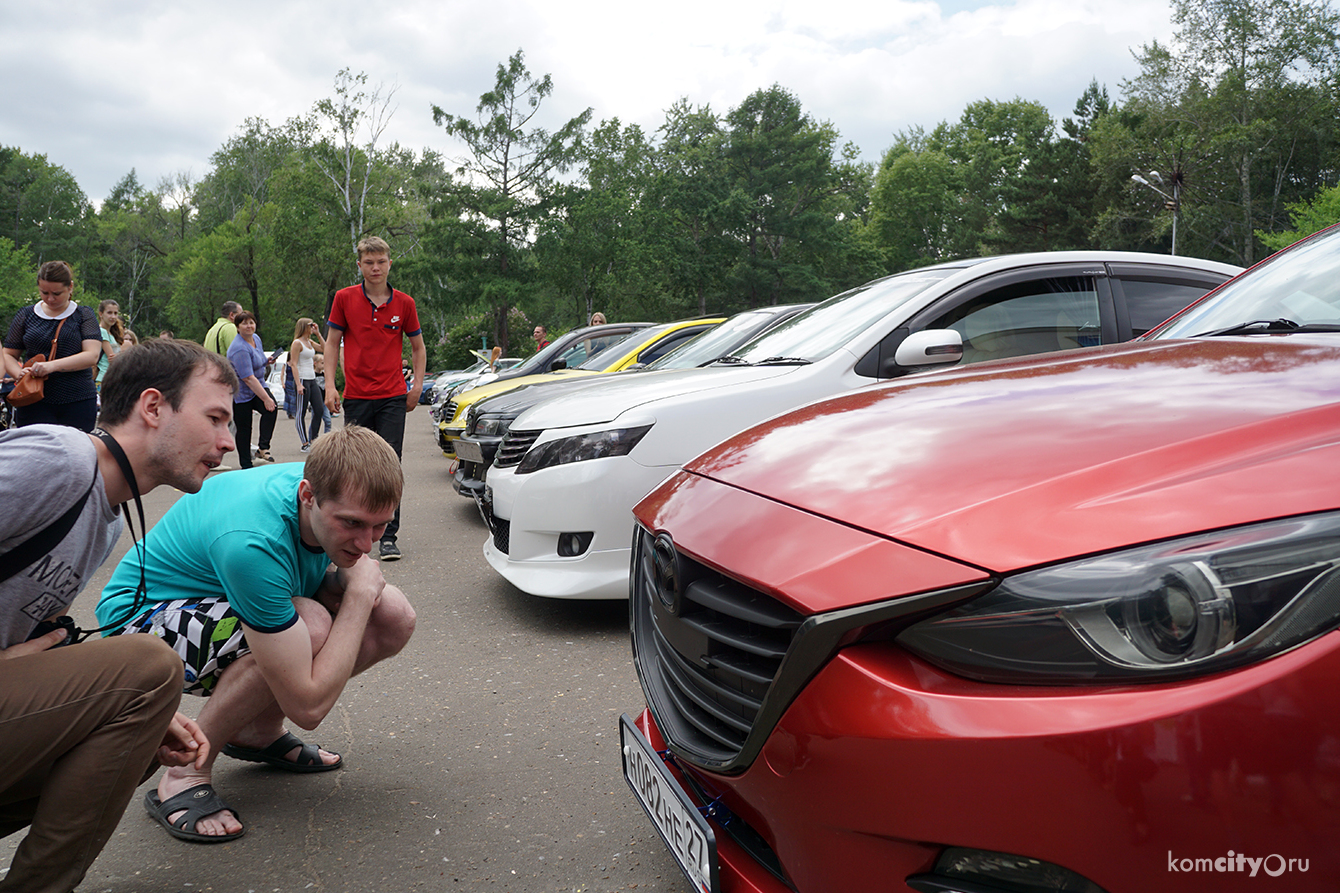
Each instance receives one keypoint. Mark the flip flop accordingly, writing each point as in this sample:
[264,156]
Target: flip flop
[198,801]
[309,757]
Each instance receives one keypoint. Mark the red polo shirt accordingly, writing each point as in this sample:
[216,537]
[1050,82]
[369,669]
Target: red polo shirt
[373,340]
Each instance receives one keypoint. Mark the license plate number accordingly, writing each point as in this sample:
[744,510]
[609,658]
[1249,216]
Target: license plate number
[469,451]
[685,832]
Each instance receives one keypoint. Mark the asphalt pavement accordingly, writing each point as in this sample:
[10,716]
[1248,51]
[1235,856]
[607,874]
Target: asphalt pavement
[484,756]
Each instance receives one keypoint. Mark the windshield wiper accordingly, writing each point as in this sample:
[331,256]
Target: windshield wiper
[1255,327]
[727,361]
[785,361]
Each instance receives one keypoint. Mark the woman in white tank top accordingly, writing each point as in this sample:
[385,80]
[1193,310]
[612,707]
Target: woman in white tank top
[307,343]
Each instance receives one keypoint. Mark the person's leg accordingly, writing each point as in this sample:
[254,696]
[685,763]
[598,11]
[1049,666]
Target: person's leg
[78,727]
[208,637]
[242,418]
[268,420]
[316,402]
[300,409]
[389,421]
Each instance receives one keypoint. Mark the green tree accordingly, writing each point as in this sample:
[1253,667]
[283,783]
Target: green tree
[1307,217]
[596,246]
[784,201]
[42,207]
[487,219]
[18,286]
[1237,112]
[688,196]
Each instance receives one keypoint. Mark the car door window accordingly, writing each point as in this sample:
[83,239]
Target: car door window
[669,343]
[1035,316]
[1150,302]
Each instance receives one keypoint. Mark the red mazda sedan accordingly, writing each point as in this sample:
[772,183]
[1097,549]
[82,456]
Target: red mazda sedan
[1066,623]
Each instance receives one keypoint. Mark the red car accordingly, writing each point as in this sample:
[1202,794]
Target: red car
[1066,623]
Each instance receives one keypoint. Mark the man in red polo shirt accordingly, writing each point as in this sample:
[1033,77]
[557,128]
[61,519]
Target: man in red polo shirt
[371,321]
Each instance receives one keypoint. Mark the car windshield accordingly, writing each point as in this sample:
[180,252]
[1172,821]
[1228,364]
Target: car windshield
[711,344]
[1296,290]
[818,332]
[616,351]
[541,358]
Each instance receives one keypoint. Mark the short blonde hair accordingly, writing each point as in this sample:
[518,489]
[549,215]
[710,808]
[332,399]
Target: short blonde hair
[373,245]
[355,463]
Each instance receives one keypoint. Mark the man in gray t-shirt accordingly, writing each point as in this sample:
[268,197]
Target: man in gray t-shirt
[102,710]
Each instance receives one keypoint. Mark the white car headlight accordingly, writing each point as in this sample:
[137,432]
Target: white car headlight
[582,447]
[1185,607]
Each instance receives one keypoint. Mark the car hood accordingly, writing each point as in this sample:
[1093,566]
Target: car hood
[515,401]
[1017,464]
[616,395]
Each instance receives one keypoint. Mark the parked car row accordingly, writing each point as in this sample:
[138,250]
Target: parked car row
[560,493]
[606,352]
[1056,613]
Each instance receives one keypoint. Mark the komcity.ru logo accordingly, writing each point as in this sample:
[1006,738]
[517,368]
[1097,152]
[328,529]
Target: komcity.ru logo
[1273,865]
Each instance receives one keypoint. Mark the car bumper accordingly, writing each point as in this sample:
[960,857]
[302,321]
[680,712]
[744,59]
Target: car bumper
[593,497]
[1136,788]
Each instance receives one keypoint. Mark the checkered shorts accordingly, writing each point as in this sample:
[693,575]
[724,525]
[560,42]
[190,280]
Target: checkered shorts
[205,633]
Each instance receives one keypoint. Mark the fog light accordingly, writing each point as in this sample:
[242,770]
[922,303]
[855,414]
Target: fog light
[573,544]
[960,869]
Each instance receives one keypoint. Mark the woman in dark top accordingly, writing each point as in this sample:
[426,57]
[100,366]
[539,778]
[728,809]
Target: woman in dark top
[68,394]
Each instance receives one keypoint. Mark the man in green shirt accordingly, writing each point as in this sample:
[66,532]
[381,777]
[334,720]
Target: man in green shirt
[222,333]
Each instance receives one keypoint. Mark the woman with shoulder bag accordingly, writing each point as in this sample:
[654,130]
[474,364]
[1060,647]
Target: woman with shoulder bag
[56,321]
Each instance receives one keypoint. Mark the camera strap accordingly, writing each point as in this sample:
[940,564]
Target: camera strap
[142,592]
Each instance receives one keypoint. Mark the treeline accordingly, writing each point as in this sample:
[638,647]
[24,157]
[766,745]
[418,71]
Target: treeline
[1226,138]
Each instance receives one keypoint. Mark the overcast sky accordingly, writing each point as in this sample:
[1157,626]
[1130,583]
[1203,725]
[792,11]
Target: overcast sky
[159,85]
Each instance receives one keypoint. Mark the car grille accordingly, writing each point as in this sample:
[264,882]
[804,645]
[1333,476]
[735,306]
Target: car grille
[502,532]
[709,656]
[448,411]
[514,446]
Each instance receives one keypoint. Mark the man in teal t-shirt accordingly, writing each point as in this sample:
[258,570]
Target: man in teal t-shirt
[238,582]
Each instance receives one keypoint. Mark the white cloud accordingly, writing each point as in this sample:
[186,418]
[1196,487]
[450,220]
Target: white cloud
[159,86]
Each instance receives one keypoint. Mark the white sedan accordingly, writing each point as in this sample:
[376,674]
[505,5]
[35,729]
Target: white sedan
[560,494]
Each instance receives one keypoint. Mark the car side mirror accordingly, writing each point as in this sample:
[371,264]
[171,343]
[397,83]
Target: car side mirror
[929,347]
[557,365]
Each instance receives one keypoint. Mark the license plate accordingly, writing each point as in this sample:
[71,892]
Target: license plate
[685,832]
[469,451]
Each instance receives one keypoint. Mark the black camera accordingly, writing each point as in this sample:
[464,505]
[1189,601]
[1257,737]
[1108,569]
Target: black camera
[65,622]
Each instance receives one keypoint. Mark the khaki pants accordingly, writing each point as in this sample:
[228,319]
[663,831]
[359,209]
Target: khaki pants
[79,727]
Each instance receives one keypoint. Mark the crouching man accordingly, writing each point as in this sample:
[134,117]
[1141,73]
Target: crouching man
[79,725]
[240,586]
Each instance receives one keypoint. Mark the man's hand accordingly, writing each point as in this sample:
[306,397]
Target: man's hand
[184,744]
[332,398]
[34,646]
[412,398]
[364,579]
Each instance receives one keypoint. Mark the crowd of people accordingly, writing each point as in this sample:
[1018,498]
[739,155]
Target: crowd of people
[257,590]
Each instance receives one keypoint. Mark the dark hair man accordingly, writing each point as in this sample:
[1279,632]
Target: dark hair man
[224,330]
[81,724]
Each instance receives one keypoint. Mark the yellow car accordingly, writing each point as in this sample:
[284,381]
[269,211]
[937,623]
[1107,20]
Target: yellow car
[634,350]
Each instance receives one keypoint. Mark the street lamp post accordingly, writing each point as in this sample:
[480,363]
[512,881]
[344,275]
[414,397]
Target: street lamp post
[1174,202]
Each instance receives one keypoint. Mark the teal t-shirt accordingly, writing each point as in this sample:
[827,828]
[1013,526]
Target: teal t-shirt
[238,537]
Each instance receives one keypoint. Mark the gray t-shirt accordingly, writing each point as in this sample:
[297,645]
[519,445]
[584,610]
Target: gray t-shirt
[44,469]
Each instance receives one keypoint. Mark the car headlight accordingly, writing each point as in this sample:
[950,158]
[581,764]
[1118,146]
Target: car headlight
[1180,608]
[581,447]
[493,426]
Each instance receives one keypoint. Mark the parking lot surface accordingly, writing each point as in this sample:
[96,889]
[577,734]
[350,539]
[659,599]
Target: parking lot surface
[484,756]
